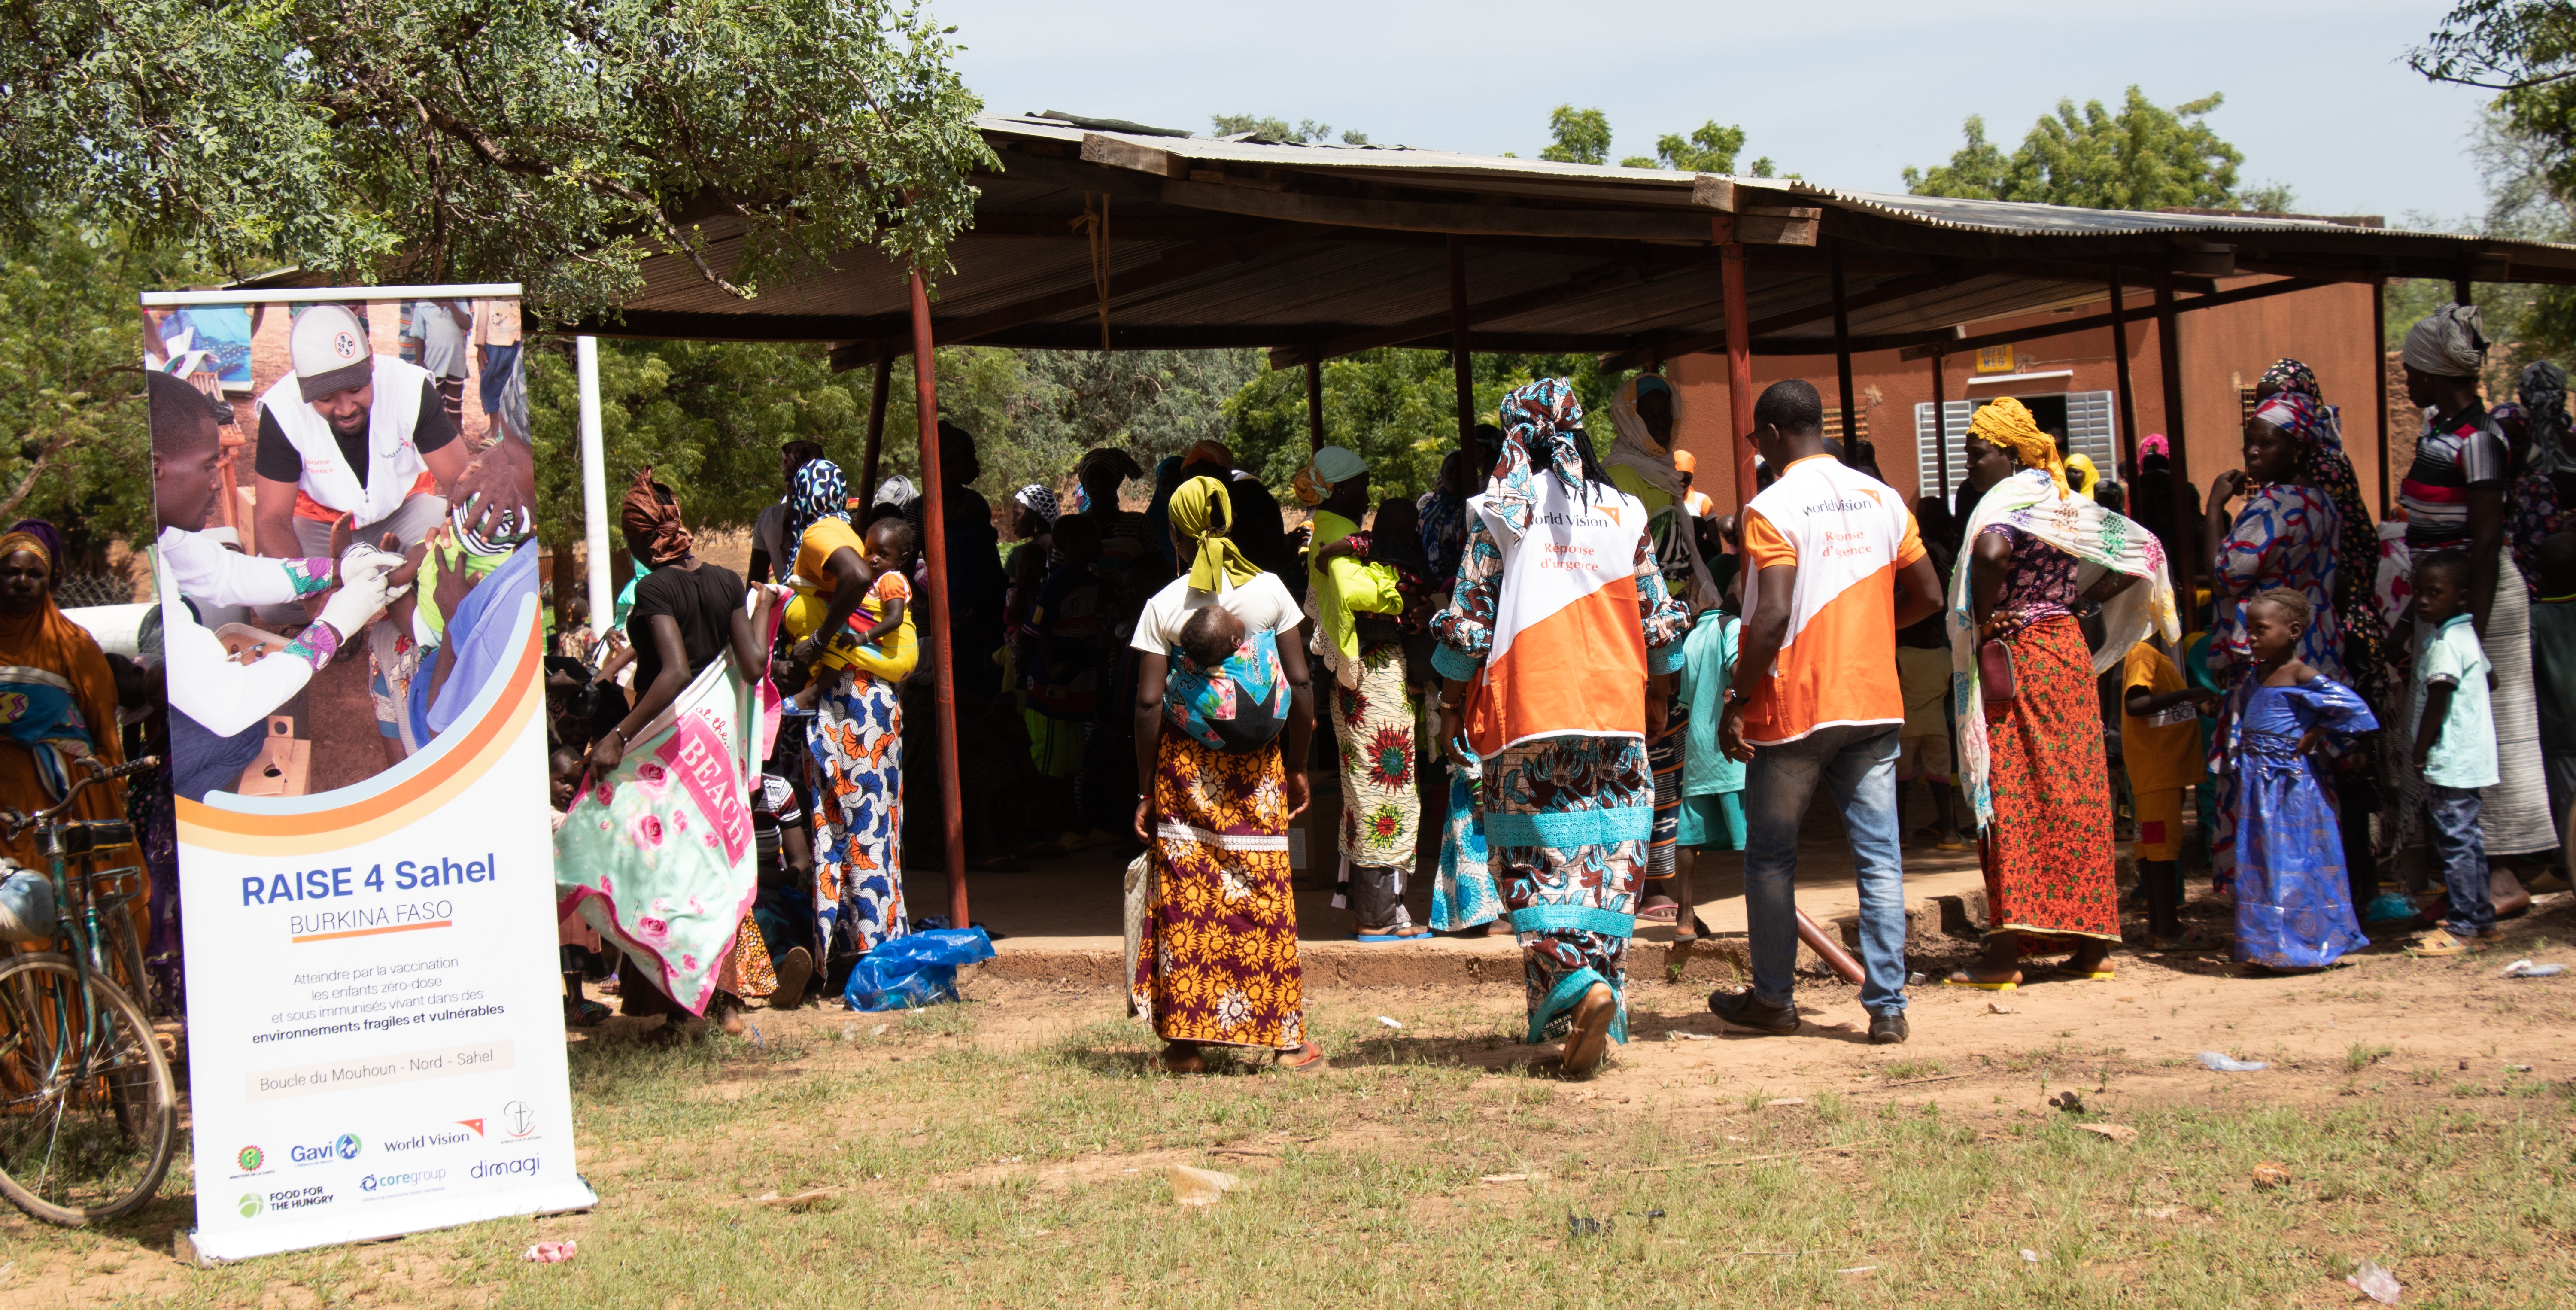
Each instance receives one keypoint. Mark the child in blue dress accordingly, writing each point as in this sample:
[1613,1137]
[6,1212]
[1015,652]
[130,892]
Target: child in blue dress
[2293,900]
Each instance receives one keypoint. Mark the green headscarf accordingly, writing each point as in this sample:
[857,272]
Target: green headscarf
[1202,512]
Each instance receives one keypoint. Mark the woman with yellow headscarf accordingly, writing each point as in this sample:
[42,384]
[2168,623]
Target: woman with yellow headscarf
[2030,719]
[1223,708]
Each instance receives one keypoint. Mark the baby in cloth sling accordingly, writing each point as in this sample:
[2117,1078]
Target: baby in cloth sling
[878,637]
[1225,689]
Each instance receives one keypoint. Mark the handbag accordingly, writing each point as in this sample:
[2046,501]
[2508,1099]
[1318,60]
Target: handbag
[1995,673]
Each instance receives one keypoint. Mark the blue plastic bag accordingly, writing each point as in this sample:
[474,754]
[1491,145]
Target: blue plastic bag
[910,972]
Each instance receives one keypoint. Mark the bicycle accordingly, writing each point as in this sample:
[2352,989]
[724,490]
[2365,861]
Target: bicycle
[89,1113]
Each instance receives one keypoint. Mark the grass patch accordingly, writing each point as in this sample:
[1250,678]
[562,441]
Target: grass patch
[978,1176]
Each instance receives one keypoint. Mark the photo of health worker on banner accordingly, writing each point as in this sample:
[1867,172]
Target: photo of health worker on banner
[344,541]
[349,623]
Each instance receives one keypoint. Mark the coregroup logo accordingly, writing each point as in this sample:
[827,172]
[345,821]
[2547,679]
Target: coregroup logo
[418,1180]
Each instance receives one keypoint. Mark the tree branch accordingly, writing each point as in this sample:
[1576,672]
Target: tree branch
[26,485]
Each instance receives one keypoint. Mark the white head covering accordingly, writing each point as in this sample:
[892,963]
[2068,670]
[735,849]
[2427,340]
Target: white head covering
[2448,344]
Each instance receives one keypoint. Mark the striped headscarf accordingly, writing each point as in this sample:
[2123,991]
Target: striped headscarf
[821,493]
[2299,408]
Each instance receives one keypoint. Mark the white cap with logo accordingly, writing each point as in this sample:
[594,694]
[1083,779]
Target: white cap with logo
[329,350]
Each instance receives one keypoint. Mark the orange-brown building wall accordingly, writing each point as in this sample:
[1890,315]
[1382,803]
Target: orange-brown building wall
[2222,348]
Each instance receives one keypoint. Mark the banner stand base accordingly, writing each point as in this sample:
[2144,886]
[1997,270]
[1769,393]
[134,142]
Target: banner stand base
[183,1243]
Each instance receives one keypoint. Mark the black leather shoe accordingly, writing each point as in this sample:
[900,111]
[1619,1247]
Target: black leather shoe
[1888,1029]
[1744,1011]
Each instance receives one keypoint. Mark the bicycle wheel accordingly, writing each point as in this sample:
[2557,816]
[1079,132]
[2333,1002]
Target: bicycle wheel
[89,1115]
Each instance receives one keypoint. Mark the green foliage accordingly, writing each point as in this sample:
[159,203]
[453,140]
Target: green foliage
[73,444]
[708,417]
[1582,136]
[2144,157]
[1275,131]
[1708,149]
[482,140]
[2527,145]
[1397,409]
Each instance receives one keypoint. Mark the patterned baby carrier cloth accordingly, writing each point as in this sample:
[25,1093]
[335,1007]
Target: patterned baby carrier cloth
[1237,707]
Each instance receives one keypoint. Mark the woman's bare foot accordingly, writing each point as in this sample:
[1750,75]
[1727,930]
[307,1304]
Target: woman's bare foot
[1308,1058]
[1181,1057]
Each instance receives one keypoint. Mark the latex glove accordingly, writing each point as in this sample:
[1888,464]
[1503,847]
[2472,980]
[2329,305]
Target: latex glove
[364,591]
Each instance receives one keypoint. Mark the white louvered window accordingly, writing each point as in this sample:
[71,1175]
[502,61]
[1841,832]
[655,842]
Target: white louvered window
[2091,430]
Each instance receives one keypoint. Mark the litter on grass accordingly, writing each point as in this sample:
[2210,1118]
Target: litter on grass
[2221,1062]
[2116,1132]
[1200,1186]
[2376,1283]
[2271,1174]
[2526,969]
[1388,1022]
[551,1253]
[1677,1035]
[2029,1255]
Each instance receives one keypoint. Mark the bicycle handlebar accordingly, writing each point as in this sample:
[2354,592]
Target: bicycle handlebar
[17,824]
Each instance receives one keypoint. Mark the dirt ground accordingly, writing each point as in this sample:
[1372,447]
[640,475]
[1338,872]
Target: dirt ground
[2383,1032]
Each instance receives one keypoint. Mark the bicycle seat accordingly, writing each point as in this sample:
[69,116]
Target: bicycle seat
[72,837]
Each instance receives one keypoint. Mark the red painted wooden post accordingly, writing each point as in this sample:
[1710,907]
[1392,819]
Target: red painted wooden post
[934,519]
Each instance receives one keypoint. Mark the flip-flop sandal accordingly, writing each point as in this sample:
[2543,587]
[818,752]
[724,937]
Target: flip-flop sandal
[2437,943]
[1698,928]
[1664,913]
[1316,1063]
[587,1014]
[1960,978]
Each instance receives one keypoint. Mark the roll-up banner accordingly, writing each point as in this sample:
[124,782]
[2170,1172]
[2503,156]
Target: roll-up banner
[351,632]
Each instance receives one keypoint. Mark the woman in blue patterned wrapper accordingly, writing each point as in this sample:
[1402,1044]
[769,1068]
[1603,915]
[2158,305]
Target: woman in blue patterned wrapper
[1568,798]
[2288,535]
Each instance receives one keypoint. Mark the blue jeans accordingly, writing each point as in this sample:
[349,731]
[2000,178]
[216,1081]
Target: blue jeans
[1859,764]
[2463,852]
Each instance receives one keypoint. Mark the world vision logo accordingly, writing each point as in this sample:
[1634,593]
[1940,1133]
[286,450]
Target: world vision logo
[475,1124]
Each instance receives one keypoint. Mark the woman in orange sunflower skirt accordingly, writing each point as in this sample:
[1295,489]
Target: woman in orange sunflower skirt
[1222,704]
[2032,760]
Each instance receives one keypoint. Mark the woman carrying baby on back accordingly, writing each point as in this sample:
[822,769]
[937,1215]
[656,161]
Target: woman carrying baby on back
[1222,708]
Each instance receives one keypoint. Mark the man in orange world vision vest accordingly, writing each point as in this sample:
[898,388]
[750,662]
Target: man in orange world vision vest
[1833,567]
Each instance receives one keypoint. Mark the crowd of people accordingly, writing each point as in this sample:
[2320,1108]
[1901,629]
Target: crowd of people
[1568,675]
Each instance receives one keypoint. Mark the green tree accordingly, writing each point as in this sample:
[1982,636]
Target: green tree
[1581,136]
[2144,157]
[1708,149]
[1395,408]
[482,140]
[1278,131]
[73,446]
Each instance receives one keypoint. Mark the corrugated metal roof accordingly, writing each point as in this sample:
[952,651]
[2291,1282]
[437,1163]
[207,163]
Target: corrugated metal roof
[1327,247]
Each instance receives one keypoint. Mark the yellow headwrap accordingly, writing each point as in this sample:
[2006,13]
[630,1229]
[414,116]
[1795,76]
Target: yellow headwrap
[1201,511]
[2007,423]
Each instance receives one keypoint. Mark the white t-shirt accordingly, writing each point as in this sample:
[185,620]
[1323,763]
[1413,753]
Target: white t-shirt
[1263,604]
